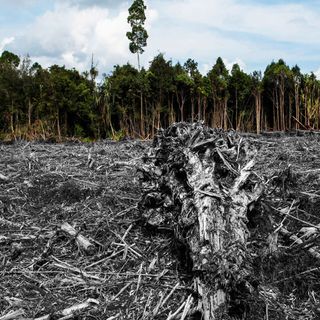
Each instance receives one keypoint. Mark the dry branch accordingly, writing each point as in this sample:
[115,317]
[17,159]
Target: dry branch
[82,241]
[12,315]
[73,310]
[3,177]
[314,252]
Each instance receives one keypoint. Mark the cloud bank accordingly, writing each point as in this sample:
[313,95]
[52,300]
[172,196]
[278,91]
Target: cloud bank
[5,42]
[251,33]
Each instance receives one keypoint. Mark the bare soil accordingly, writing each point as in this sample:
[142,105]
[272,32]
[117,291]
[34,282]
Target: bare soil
[135,271]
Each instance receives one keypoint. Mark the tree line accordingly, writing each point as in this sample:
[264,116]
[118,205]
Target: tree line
[41,103]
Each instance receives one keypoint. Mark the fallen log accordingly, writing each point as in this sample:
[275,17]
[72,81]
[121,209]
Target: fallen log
[204,191]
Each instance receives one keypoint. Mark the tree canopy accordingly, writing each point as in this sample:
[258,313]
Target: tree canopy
[138,35]
[39,103]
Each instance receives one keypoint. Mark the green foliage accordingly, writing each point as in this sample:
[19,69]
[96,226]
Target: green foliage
[138,35]
[10,59]
[40,103]
[219,77]
[119,135]
[78,130]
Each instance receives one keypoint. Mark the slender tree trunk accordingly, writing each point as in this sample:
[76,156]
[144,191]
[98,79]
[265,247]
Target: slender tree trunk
[192,109]
[199,107]
[153,121]
[297,103]
[257,98]
[274,124]
[58,125]
[225,114]
[214,111]
[65,123]
[171,110]
[11,118]
[205,105]
[142,126]
[29,112]
[181,102]
[281,102]
[290,113]
[236,120]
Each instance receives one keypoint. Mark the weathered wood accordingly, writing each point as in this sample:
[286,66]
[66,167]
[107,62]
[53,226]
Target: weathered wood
[71,311]
[206,175]
[82,241]
[3,177]
[13,315]
[313,251]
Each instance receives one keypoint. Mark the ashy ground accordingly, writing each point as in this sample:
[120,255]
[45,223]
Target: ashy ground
[131,270]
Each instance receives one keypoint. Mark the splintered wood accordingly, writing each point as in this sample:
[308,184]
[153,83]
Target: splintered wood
[203,184]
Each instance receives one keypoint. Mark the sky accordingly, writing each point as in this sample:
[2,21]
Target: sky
[252,33]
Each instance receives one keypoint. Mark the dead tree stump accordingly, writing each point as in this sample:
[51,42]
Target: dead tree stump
[200,184]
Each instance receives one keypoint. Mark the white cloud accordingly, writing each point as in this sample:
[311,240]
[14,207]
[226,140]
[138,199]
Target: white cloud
[205,67]
[5,42]
[247,32]
[229,64]
[257,33]
[90,3]
[281,22]
[69,35]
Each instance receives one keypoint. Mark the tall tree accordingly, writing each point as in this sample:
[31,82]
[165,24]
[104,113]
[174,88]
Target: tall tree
[183,85]
[256,92]
[138,35]
[239,88]
[138,40]
[276,79]
[10,89]
[194,78]
[297,80]
[218,77]
[161,78]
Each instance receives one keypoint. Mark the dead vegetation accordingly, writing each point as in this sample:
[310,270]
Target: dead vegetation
[77,242]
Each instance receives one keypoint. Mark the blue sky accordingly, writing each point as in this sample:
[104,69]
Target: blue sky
[251,33]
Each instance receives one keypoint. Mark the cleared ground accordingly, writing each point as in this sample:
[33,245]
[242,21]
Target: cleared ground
[133,271]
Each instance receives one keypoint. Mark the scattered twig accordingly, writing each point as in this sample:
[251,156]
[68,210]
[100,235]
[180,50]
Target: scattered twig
[71,311]
[82,241]
[12,315]
[3,177]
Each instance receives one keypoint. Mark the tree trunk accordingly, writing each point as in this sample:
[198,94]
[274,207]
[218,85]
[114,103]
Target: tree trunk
[199,108]
[205,105]
[192,109]
[211,209]
[289,119]
[236,116]
[257,98]
[225,114]
[142,126]
[297,104]
[281,104]
[58,126]
[11,119]
[29,112]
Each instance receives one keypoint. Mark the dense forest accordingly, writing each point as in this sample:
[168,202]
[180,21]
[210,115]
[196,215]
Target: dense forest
[56,102]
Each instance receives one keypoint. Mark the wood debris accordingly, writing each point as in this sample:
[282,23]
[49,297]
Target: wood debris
[150,216]
[82,241]
[205,185]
